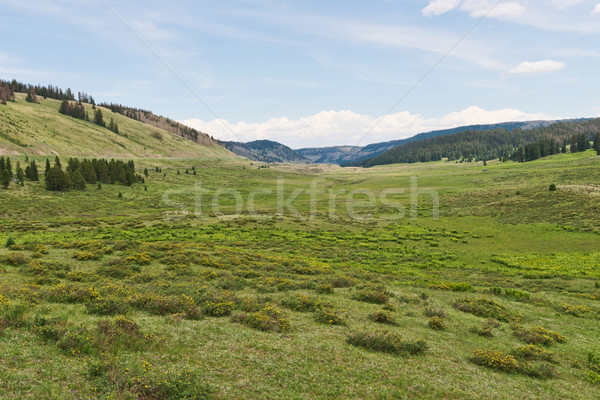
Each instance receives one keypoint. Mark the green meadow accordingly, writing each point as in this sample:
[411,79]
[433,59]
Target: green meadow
[222,278]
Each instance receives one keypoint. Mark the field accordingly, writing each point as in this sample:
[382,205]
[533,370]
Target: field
[231,279]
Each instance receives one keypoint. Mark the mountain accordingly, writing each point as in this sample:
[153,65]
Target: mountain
[352,155]
[39,129]
[484,145]
[266,151]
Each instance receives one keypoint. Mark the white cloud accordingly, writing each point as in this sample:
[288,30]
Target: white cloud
[330,128]
[596,9]
[537,67]
[479,8]
[438,7]
[475,8]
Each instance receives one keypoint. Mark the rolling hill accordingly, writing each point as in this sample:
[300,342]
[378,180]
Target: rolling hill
[38,129]
[266,151]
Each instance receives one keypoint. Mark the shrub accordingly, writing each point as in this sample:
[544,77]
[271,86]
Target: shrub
[330,316]
[437,323]
[324,288]
[10,241]
[14,258]
[268,318]
[538,335]
[216,303]
[386,342]
[302,302]
[63,293]
[139,259]
[273,284]
[575,310]
[106,306]
[533,352]
[372,293]
[485,308]
[495,360]
[342,281]
[552,187]
[382,317]
[85,255]
[508,363]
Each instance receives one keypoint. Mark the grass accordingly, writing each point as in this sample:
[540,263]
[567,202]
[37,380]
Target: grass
[293,307]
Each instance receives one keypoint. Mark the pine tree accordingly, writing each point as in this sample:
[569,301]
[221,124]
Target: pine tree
[597,143]
[57,162]
[56,180]
[47,167]
[31,171]
[4,179]
[20,174]
[8,167]
[146,171]
[98,118]
[77,180]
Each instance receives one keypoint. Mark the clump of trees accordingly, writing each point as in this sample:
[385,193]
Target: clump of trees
[79,173]
[77,110]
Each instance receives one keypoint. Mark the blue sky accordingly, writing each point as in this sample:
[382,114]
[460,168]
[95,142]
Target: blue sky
[315,73]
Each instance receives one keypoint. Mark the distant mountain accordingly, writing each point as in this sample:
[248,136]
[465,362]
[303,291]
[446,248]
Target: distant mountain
[352,155]
[484,145]
[266,151]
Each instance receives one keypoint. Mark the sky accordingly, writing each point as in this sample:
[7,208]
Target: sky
[315,73]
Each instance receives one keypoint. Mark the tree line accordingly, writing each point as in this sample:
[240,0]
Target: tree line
[79,173]
[500,144]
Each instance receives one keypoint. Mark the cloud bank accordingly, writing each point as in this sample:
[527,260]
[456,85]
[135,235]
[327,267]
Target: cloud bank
[333,128]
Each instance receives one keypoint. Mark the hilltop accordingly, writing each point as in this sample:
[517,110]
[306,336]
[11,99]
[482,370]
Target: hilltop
[38,129]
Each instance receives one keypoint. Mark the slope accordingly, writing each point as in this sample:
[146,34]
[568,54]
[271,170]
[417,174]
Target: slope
[38,129]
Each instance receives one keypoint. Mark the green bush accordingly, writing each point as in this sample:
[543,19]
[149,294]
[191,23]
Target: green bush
[10,241]
[538,335]
[302,303]
[386,342]
[485,308]
[437,323]
[330,316]
[106,306]
[268,318]
[383,317]
[371,293]
[552,187]
[486,329]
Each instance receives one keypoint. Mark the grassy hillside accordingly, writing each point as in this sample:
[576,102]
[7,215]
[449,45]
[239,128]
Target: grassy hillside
[38,129]
[258,306]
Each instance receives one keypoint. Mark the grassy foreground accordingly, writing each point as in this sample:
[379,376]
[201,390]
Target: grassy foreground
[164,293]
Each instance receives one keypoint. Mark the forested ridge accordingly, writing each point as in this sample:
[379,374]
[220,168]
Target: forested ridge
[488,145]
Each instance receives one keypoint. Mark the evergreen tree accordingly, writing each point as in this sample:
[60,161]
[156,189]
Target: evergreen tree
[77,180]
[57,162]
[4,179]
[56,180]
[8,167]
[597,143]
[98,118]
[146,171]
[47,167]
[31,171]
[20,174]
